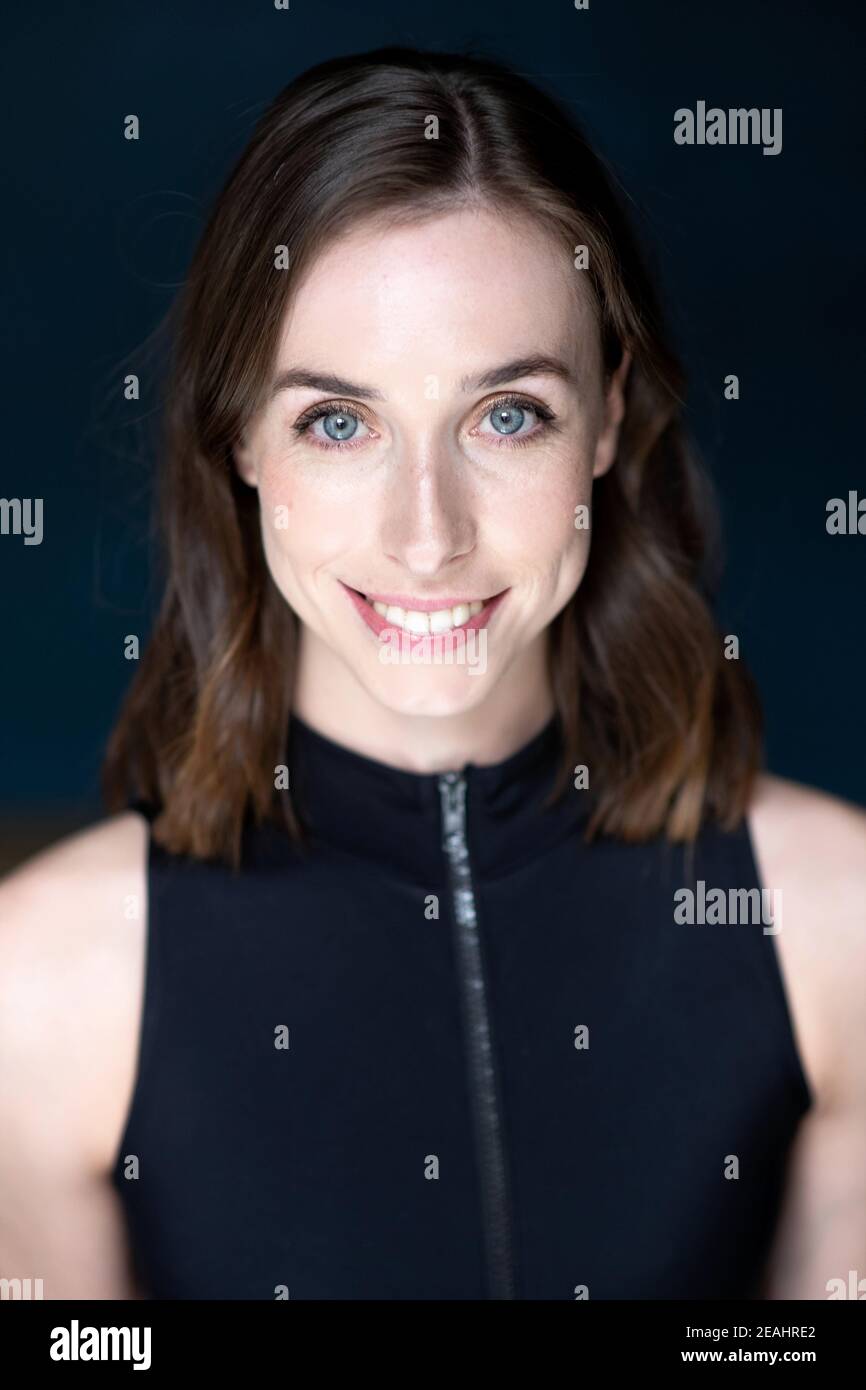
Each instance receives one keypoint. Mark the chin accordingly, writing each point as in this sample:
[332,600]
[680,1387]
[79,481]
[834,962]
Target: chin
[430,692]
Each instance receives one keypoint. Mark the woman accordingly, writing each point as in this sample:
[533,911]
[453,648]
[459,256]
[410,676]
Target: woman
[445,941]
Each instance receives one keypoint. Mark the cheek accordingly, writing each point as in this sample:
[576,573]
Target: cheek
[534,522]
[303,524]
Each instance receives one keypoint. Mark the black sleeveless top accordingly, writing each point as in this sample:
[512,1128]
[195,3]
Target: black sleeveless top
[450,1050]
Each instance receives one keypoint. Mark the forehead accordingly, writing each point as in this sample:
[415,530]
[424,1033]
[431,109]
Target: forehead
[458,290]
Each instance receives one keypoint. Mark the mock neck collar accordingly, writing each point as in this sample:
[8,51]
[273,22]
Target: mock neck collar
[392,816]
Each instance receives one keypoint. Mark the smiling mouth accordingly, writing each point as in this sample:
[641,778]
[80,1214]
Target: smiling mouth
[430,621]
[414,620]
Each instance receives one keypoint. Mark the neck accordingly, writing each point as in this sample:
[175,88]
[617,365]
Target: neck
[330,699]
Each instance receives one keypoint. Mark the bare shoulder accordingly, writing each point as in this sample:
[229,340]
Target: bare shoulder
[72,934]
[799,824]
[811,849]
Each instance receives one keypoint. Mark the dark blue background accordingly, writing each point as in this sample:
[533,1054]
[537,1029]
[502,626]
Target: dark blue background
[759,258]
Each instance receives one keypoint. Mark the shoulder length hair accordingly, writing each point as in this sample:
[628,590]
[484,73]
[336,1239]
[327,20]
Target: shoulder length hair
[669,728]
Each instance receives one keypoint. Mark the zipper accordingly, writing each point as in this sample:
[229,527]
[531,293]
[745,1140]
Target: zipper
[482,1073]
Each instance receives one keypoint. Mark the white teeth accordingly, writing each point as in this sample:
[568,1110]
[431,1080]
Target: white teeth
[416,622]
[441,620]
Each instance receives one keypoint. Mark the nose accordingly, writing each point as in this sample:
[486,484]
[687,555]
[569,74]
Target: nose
[429,515]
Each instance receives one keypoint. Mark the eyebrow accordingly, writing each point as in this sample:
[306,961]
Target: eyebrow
[537,364]
[295,377]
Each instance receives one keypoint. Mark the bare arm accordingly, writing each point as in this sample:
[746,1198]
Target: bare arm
[813,847]
[71,971]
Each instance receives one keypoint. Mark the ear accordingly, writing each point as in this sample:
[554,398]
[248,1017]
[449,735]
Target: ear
[614,410]
[242,455]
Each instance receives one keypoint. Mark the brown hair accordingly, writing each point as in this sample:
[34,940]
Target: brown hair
[669,728]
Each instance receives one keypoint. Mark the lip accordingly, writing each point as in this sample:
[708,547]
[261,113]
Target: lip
[420,605]
[377,624]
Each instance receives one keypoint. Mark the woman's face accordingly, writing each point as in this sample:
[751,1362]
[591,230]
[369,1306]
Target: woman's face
[437,416]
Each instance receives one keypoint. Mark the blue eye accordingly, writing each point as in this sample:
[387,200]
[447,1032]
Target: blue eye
[339,424]
[514,419]
[507,419]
